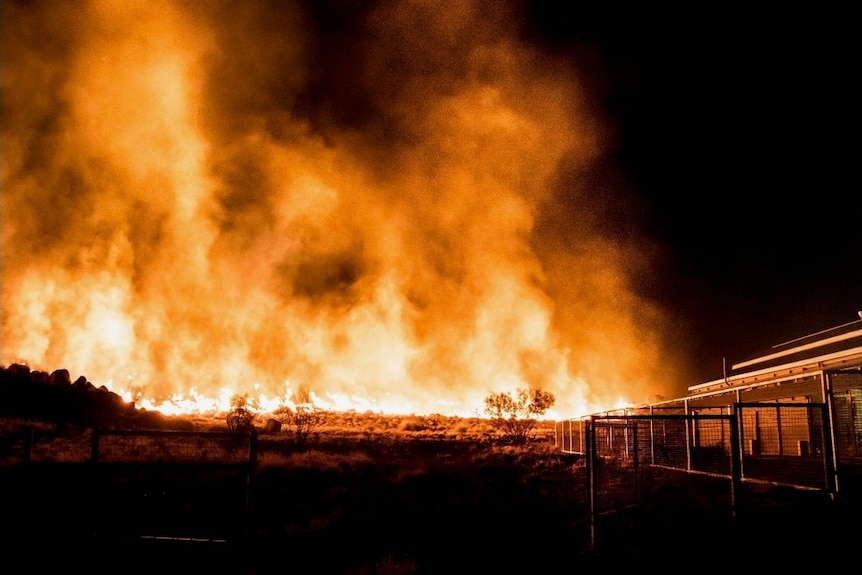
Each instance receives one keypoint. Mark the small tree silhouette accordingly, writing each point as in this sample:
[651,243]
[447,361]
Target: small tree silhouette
[515,416]
[301,419]
[240,416]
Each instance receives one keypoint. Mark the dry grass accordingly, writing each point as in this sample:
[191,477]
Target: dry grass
[343,439]
[370,494]
[315,459]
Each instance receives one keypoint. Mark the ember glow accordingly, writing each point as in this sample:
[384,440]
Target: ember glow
[208,198]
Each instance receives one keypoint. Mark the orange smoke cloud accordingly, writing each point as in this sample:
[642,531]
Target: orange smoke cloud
[207,198]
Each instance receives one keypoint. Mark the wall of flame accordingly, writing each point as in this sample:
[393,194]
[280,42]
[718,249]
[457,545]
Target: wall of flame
[393,205]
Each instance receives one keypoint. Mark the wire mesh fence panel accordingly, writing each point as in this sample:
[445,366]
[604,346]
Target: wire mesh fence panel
[668,441]
[629,453]
[117,484]
[776,443]
[614,438]
[614,465]
[172,484]
[170,500]
[847,398]
[785,444]
[848,424]
[569,436]
[168,446]
[617,485]
[61,446]
[674,466]
[711,447]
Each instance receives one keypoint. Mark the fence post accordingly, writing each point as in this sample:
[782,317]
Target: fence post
[589,431]
[636,468]
[829,468]
[252,448]
[735,460]
[652,435]
[249,480]
[626,435]
[739,419]
[688,434]
[582,437]
[778,430]
[560,435]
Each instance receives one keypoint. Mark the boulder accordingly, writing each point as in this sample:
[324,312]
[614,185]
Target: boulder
[61,377]
[272,426]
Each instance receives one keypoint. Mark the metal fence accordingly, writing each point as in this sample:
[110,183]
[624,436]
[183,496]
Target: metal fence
[165,446]
[786,444]
[781,443]
[628,454]
[117,485]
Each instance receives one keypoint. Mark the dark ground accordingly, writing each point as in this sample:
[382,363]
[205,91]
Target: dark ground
[410,506]
[374,500]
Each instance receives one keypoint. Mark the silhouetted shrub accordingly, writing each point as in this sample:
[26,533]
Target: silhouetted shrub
[515,416]
[302,419]
[240,417]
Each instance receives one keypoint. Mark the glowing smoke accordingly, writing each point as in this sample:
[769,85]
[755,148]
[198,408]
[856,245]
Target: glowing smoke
[209,196]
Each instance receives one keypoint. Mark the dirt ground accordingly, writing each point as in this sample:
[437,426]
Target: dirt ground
[370,494]
[407,504]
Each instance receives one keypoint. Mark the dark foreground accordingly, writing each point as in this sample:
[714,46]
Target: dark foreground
[410,506]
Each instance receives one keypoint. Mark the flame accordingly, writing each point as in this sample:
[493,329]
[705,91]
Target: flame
[199,200]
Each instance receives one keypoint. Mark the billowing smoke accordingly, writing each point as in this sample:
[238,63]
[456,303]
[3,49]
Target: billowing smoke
[392,203]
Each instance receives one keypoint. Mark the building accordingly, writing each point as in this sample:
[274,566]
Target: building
[801,399]
[791,416]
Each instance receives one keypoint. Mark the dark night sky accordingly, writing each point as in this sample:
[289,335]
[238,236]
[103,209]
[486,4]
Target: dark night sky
[734,148]
[738,127]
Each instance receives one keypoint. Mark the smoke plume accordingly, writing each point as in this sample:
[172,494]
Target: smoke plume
[396,205]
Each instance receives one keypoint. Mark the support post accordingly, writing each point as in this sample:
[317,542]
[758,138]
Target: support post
[687,436]
[830,446]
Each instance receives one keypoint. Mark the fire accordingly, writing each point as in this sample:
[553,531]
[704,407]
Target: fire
[195,403]
[215,210]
